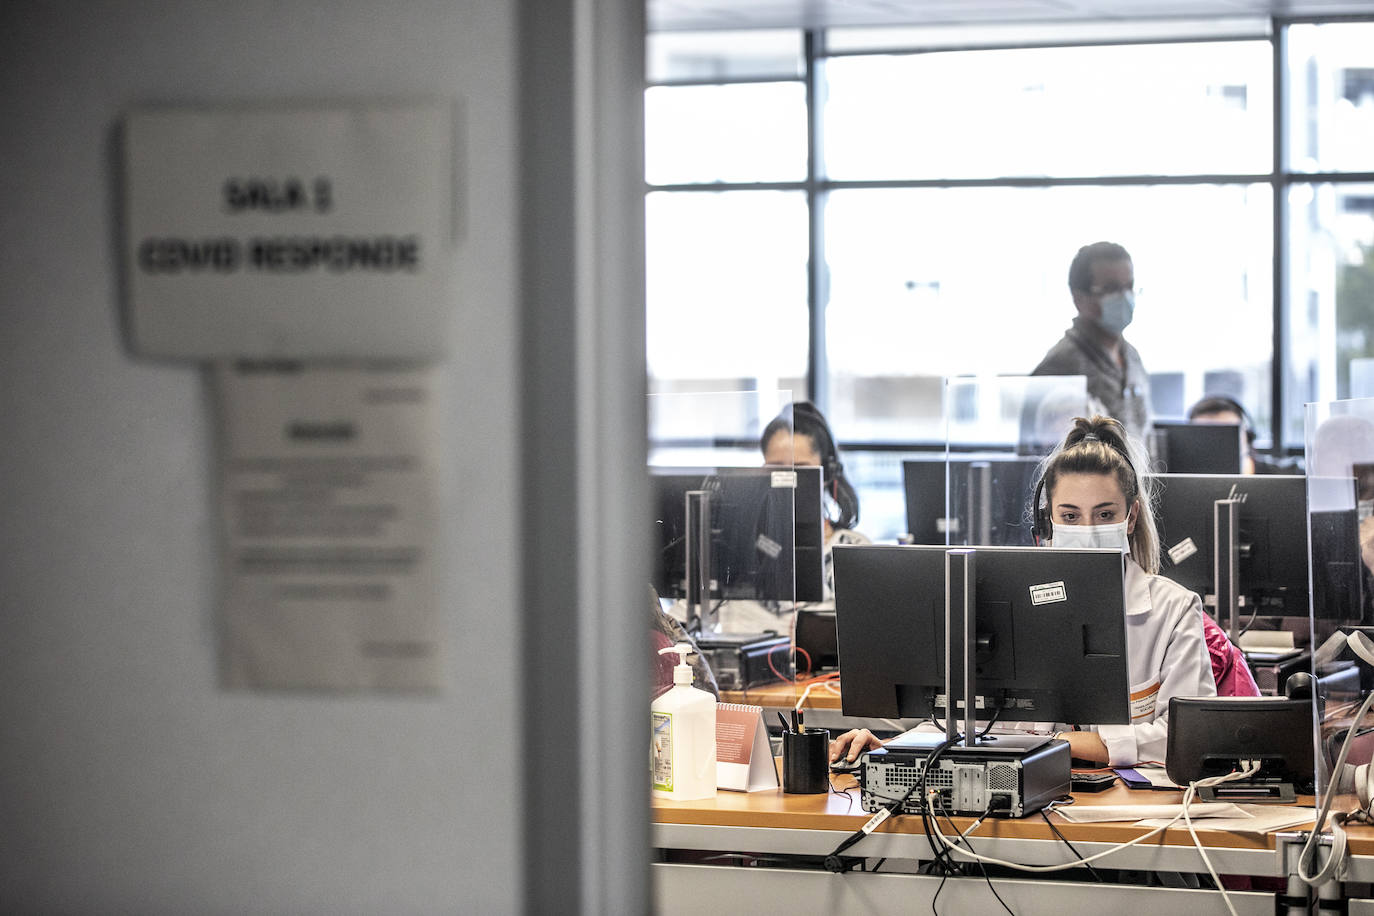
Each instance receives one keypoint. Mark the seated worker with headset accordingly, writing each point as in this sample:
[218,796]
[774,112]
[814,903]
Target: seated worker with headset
[1218,408]
[799,436]
[1093,497]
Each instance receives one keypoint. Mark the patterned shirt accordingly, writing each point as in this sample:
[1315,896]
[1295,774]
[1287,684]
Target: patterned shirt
[1122,392]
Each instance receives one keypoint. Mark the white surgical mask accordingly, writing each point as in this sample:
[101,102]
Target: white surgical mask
[1078,536]
[1117,311]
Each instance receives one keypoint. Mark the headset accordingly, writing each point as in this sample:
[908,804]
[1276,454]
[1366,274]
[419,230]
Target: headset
[1041,528]
[816,427]
[1219,403]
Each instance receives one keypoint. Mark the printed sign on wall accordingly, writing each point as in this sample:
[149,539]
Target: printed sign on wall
[328,489]
[290,232]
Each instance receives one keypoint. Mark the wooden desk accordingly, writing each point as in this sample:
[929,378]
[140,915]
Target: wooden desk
[771,825]
[822,707]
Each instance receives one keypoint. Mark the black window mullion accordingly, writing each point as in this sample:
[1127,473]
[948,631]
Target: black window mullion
[817,274]
[1281,314]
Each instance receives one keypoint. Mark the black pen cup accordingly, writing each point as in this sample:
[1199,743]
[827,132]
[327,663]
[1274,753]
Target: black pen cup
[806,761]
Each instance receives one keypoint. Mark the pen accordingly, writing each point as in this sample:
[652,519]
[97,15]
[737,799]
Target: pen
[783,720]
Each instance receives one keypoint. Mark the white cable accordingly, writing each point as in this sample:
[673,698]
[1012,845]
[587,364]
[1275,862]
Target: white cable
[1251,768]
[1049,868]
[1201,783]
[1337,856]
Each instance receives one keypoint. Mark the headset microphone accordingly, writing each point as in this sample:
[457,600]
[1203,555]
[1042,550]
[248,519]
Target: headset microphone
[1040,523]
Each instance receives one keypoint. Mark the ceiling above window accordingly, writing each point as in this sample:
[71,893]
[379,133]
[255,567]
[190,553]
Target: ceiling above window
[686,15]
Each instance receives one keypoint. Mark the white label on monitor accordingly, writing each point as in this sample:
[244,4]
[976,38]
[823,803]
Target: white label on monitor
[767,546]
[942,702]
[1182,550]
[787,479]
[1049,593]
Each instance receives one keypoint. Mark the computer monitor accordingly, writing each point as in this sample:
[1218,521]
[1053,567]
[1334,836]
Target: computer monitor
[767,536]
[1199,448]
[1340,580]
[1271,535]
[988,500]
[815,641]
[1212,736]
[1050,632]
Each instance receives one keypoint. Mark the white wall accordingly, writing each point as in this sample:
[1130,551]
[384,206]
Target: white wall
[128,780]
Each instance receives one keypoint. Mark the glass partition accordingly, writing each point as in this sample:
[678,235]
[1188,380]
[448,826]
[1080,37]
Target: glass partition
[997,429]
[1340,464]
[738,534]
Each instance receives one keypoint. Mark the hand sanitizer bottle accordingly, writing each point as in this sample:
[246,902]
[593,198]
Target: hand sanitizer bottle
[683,755]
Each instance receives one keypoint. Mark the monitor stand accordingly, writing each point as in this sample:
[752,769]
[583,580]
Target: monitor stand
[1005,775]
[961,629]
[701,617]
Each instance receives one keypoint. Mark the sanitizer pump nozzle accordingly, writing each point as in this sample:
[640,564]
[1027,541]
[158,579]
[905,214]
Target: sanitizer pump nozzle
[682,672]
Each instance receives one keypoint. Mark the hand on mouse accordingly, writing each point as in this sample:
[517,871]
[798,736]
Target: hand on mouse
[852,743]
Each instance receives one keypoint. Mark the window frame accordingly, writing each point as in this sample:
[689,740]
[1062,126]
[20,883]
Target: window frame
[1281,179]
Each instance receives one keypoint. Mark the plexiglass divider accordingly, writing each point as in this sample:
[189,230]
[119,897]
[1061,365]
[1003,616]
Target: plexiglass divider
[998,429]
[733,559]
[1340,491]
[765,558]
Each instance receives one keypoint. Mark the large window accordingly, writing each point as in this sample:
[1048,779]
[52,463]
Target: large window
[1147,109]
[855,224]
[1328,236]
[941,282]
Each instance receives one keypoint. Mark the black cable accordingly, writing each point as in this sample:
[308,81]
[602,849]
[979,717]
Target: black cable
[942,857]
[996,714]
[833,862]
[943,879]
[984,870]
[981,866]
[962,838]
[1065,840]
[846,794]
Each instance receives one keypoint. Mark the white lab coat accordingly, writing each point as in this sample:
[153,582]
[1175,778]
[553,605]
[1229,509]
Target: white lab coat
[1168,658]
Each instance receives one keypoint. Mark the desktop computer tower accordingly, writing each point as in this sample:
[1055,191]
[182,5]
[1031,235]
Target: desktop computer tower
[743,660]
[1012,776]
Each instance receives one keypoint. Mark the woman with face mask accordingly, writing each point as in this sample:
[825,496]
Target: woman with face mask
[1091,496]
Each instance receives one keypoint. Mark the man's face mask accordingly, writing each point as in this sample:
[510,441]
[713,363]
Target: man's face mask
[1117,311]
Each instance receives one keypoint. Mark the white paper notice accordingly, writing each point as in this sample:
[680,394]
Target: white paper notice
[328,494]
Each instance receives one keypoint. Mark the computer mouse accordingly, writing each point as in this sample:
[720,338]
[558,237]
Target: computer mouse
[843,765]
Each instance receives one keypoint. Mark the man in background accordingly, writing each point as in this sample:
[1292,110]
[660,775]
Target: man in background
[1102,283]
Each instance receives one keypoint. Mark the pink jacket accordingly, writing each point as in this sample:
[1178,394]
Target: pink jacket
[1229,667]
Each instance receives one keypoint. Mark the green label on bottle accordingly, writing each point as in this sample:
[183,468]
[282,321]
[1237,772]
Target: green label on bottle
[661,752]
